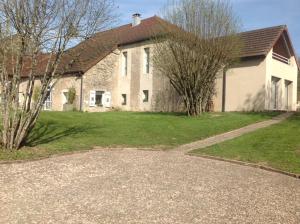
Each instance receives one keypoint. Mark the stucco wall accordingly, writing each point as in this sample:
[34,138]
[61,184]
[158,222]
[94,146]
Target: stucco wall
[217,99]
[245,86]
[137,79]
[284,72]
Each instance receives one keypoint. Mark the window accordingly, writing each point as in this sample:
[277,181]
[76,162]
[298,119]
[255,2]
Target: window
[124,99]
[287,85]
[125,63]
[98,98]
[65,96]
[147,60]
[145,95]
[274,93]
[48,102]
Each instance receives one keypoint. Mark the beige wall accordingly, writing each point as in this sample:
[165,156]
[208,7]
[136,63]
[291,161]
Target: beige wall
[245,86]
[137,79]
[284,72]
[248,85]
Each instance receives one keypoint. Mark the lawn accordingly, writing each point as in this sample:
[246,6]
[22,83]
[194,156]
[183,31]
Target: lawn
[277,146]
[58,132]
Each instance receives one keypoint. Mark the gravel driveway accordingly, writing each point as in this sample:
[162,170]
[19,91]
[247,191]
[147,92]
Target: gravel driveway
[130,186]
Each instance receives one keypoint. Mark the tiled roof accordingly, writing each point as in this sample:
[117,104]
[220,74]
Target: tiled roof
[259,42]
[89,52]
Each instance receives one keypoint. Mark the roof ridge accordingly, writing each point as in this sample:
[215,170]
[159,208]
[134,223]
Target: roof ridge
[266,28]
[127,24]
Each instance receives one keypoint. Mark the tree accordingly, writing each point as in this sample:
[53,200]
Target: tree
[298,81]
[193,52]
[35,35]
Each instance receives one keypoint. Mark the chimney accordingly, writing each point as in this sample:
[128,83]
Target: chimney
[136,19]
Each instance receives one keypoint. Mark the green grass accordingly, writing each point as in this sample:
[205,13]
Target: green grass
[58,132]
[277,146]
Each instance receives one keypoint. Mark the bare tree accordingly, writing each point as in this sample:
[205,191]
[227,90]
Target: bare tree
[298,85]
[193,52]
[35,35]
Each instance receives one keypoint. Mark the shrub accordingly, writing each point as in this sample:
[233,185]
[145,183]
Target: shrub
[36,93]
[71,95]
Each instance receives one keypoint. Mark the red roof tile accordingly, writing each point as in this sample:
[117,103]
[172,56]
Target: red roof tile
[89,52]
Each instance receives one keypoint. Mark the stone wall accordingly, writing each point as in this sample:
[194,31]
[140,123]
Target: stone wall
[101,77]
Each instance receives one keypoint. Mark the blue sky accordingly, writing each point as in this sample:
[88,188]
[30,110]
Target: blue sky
[253,13]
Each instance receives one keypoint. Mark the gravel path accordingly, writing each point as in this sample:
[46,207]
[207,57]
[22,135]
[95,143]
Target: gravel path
[131,186]
[232,134]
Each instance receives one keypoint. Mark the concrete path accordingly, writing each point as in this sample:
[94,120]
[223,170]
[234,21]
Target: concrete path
[134,186]
[232,134]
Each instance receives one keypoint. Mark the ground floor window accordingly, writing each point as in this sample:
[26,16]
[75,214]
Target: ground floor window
[99,96]
[124,99]
[145,95]
[48,102]
[275,93]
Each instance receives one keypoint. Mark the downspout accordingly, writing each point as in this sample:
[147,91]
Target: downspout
[224,90]
[81,92]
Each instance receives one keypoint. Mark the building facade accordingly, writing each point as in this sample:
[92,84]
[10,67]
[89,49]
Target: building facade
[115,72]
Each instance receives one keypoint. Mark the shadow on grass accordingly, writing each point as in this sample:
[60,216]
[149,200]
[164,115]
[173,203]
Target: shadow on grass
[161,113]
[46,133]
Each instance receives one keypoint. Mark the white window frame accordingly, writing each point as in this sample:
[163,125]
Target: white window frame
[48,101]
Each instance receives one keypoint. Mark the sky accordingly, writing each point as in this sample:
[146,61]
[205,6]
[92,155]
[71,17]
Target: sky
[253,14]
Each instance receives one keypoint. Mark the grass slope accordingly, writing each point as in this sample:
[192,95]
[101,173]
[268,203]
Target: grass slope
[58,132]
[277,146]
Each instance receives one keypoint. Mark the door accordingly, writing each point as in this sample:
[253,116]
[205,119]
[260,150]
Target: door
[287,90]
[274,93]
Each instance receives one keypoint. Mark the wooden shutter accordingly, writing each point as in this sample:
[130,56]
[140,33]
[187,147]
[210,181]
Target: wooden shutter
[106,99]
[92,98]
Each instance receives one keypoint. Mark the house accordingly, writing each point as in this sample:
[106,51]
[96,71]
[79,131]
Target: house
[113,69]
[265,77]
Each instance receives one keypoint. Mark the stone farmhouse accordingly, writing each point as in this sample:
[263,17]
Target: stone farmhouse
[113,70]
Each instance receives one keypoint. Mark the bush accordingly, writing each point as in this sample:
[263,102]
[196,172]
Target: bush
[36,93]
[71,95]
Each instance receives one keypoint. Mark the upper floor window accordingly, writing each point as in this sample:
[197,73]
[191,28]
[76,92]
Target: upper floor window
[125,63]
[147,60]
